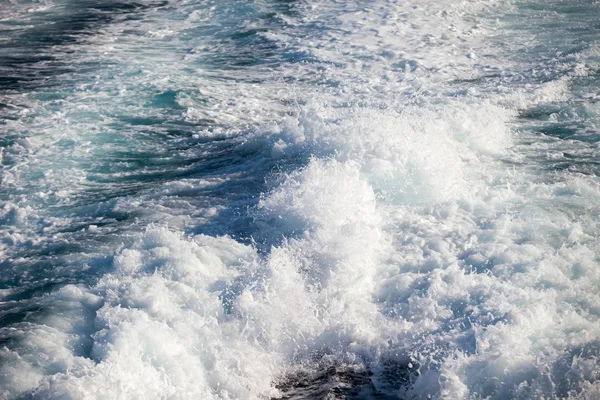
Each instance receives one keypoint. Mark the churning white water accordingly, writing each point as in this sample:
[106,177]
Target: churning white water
[299,199]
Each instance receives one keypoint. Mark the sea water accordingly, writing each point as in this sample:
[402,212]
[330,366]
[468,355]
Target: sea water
[299,199]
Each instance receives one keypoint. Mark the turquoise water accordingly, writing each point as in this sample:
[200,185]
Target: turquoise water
[299,199]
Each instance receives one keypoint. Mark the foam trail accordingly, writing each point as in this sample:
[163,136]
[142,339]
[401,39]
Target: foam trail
[220,200]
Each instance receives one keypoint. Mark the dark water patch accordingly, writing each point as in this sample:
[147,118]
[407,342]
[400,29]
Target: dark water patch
[33,53]
[18,314]
[124,168]
[560,131]
[38,276]
[334,382]
[237,47]
[477,80]
[343,381]
[539,113]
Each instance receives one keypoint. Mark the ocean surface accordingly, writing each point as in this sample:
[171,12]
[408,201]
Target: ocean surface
[300,199]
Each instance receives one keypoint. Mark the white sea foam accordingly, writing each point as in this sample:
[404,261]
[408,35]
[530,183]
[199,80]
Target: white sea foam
[483,290]
[407,232]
